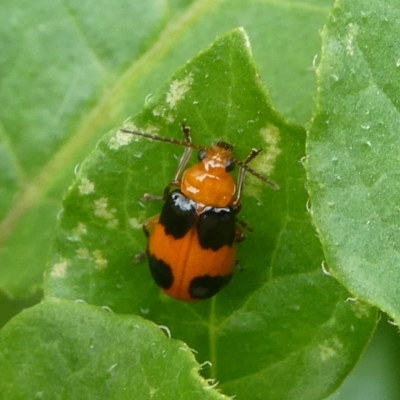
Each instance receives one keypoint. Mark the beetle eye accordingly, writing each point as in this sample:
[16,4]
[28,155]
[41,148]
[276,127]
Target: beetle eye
[229,166]
[201,155]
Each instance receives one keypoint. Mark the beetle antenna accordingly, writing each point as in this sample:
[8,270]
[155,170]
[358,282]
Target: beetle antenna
[165,139]
[253,172]
[245,165]
[188,143]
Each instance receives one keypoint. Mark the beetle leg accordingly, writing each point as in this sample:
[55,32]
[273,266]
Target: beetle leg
[239,234]
[242,173]
[149,225]
[150,197]
[182,163]
[139,257]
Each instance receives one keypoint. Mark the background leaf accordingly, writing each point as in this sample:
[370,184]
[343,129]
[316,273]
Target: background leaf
[70,71]
[376,375]
[279,297]
[88,353]
[352,151]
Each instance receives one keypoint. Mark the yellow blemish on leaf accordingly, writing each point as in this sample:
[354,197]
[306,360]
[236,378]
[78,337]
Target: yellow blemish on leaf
[159,111]
[121,139]
[135,224]
[177,90]
[361,310]
[266,161]
[80,229]
[330,348]
[78,232]
[86,186]
[59,269]
[82,253]
[163,112]
[352,33]
[101,208]
[154,130]
[101,262]
[112,223]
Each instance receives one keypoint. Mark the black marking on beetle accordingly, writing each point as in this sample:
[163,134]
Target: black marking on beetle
[204,287]
[178,215]
[216,228]
[161,272]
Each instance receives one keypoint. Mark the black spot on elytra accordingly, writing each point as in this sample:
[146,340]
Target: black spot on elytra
[216,228]
[204,287]
[161,272]
[178,215]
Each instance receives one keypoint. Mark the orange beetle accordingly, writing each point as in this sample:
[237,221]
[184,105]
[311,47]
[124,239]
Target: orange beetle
[192,242]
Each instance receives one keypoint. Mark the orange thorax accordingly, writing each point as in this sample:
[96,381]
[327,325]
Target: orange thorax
[208,183]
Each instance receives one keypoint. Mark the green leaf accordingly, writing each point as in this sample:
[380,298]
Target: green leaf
[70,71]
[66,350]
[376,376]
[353,146]
[281,316]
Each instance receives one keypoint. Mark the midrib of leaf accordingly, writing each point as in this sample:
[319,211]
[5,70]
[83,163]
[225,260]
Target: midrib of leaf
[89,126]
[310,345]
[13,157]
[81,34]
[212,339]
